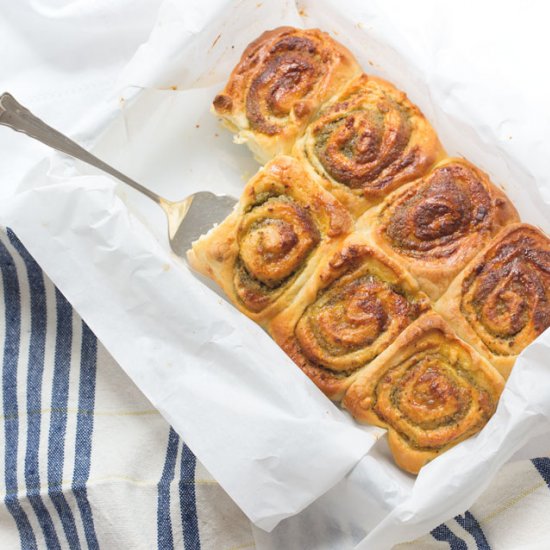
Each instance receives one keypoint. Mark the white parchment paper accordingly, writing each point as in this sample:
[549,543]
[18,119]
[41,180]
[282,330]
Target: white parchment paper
[255,421]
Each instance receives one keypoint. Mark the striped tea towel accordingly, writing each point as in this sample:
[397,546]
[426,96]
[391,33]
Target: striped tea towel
[88,462]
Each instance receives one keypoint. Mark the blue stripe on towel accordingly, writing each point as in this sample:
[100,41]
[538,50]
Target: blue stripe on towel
[188,504]
[35,372]
[84,429]
[470,524]
[165,539]
[543,467]
[444,534]
[58,425]
[9,395]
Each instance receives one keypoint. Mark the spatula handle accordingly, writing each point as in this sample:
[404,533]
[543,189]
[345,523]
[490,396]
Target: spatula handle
[20,119]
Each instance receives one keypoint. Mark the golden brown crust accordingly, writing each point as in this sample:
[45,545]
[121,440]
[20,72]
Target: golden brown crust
[435,225]
[348,305]
[351,310]
[282,79]
[366,142]
[501,302]
[429,389]
[268,247]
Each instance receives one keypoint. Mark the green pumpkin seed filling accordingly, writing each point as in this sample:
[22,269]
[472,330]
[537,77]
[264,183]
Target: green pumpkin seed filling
[291,73]
[353,149]
[431,400]
[433,219]
[506,296]
[354,320]
[363,307]
[276,237]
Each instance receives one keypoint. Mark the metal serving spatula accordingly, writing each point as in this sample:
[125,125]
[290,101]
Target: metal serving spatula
[188,219]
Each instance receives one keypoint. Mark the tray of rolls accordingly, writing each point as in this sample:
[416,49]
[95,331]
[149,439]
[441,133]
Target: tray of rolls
[399,279]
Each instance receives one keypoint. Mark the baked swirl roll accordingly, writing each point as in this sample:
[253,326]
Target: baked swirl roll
[269,245]
[429,389]
[436,224]
[501,302]
[366,142]
[282,79]
[351,310]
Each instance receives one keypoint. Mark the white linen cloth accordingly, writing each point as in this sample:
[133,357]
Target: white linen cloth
[90,447]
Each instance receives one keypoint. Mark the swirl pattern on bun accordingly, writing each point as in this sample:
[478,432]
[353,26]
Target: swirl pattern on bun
[436,224]
[501,302]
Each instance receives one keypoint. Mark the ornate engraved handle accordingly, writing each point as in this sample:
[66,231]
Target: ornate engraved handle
[20,119]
